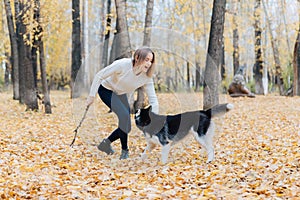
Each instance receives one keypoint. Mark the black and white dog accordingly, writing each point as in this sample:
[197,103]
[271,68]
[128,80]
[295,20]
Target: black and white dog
[166,130]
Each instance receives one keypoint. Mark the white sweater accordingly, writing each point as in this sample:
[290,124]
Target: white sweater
[120,78]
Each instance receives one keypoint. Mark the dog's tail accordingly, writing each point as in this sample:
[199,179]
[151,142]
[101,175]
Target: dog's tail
[219,109]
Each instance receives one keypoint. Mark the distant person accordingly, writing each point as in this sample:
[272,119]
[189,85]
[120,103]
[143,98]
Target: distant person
[114,82]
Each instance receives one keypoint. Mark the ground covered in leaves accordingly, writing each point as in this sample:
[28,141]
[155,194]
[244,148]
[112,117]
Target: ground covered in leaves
[257,153]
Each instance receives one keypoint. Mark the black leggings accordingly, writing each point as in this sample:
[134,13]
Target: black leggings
[119,105]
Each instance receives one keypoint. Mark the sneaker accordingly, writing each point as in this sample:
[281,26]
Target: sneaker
[124,154]
[105,146]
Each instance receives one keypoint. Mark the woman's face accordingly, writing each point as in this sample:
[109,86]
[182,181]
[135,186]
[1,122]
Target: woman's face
[146,64]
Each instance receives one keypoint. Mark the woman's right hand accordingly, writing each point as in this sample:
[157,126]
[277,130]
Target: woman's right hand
[89,100]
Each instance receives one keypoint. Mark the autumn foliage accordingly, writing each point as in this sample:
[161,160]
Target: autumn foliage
[257,153]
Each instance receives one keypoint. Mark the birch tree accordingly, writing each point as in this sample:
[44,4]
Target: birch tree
[278,70]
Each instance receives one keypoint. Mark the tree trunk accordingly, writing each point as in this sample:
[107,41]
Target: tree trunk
[278,70]
[47,102]
[141,101]
[20,31]
[213,59]
[236,55]
[175,80]
[204,35]
[197,48]
[115,41]
[258,66]
[76,51]
[223,71]
[188,78]
[121,44]
[85,45]
[30,65]
[40,46]
[14,50]
[296,64]
[203,6]
[30,98]
[283,14]
[107,35]
[34,63]
[148,23]
[30,89]
[198,77]
[7,70]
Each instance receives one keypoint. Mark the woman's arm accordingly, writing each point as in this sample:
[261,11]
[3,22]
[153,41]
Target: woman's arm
[103,74]
[149,88]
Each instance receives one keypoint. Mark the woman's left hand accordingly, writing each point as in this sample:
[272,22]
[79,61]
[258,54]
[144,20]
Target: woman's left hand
[90,100]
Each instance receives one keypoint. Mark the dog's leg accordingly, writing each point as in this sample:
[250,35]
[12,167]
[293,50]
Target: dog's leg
[206,143]
[201,141]
[165,153]
[150,146]
[208,138]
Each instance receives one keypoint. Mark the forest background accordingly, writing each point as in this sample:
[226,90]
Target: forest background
[259,36]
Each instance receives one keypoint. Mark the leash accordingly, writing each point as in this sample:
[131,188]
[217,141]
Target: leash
[76,130]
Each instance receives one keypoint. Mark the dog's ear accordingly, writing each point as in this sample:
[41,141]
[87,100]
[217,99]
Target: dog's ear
[149,107]
[137,112]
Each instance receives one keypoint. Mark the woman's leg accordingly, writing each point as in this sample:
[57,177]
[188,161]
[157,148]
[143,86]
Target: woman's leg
[119,105]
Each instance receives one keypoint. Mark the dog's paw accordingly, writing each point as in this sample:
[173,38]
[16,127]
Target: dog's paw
[208,161]
[162,163]
[143,156]
[210,156]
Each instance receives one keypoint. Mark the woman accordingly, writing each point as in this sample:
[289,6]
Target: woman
[113,82]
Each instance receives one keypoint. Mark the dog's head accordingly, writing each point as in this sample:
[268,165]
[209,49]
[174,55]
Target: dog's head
[142,117]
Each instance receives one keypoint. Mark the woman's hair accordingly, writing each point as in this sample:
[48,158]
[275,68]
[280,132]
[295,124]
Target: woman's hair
[140,55]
